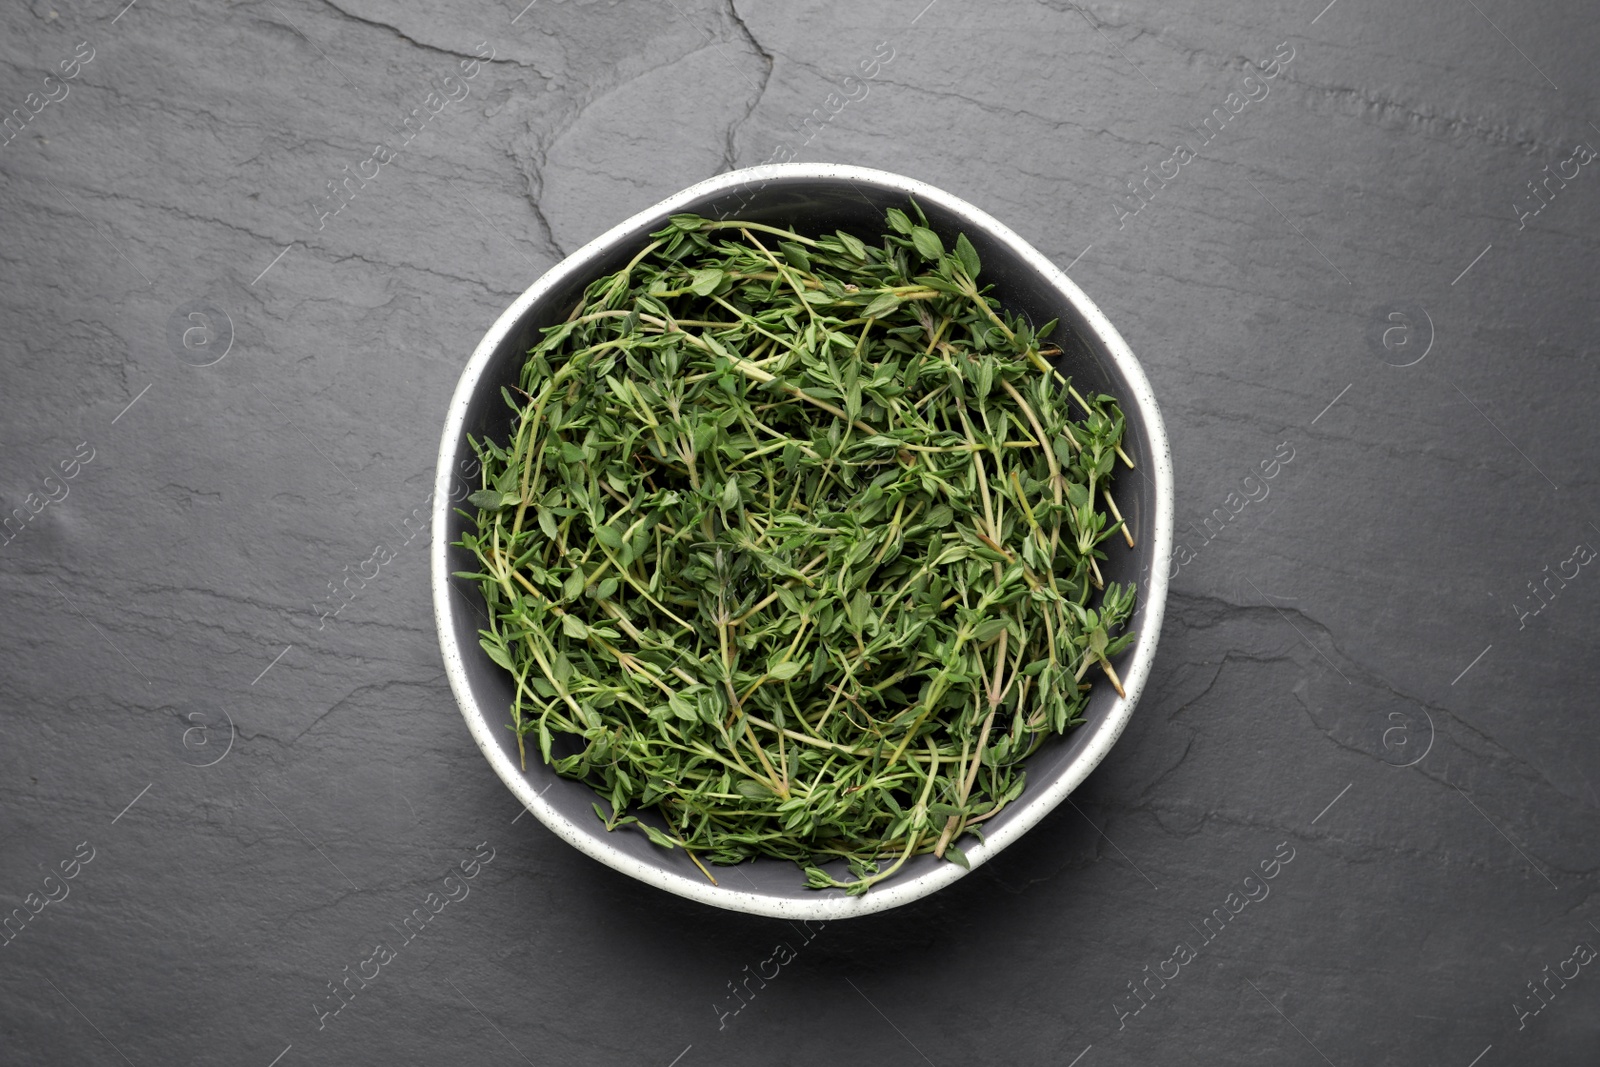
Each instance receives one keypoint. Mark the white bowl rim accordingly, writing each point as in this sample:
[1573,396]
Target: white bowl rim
[1036,803]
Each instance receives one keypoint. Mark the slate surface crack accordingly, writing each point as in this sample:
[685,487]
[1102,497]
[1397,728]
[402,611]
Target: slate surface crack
[424,45]
[729,151]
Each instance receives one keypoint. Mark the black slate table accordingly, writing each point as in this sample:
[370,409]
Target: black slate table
[247,250]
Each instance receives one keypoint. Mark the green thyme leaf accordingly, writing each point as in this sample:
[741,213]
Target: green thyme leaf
[794,545]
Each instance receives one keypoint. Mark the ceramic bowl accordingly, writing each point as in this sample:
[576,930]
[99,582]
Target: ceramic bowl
[811,198]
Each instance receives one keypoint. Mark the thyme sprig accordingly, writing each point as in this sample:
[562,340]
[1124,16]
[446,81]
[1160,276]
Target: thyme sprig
[795,542]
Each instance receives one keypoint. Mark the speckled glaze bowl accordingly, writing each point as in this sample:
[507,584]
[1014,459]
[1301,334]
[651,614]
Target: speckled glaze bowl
[810,198]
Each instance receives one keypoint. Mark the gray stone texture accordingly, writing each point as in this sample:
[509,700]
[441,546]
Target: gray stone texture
[1315,642]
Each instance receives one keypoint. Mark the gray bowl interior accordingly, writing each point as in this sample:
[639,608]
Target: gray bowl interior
[856,206]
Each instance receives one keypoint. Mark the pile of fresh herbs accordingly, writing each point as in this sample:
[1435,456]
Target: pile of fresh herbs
[795,543]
